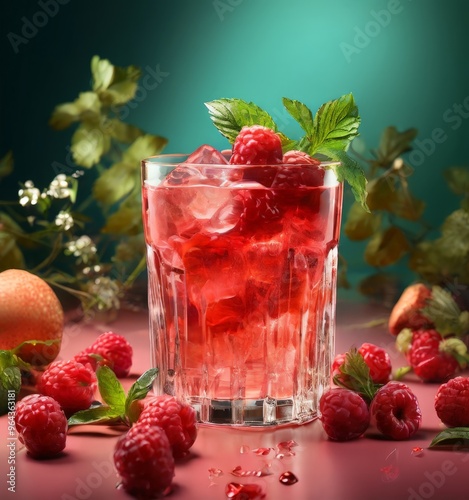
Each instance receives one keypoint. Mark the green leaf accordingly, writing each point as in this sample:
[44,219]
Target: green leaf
[86,107]
[10,379]
[458,179]
[123,132]
[102,72]
[115,183]
[141,387]
[113,84]
[97,415]
[444,312]
[6,164]
[230,115]
[143,147]
[360,224]
[451,436]
[386,247]
[393,144]
[111,389]
[302,114]
[356,375]
[350,171]
[126,220]
[11,256]
[335,126]
[89,143]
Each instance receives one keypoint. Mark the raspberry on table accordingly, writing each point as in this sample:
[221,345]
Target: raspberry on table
[378,362]
[376,358]
[395,411]
[452,402]
[41,425]
[344,414]
[144,461]
[426,358]
[257,145]
[70,383]
[177,419]
[115,351]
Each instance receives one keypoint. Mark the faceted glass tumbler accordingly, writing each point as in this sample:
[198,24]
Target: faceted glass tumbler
[242,270]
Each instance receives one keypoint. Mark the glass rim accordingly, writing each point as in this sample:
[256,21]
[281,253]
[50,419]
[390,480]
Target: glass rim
[163,161]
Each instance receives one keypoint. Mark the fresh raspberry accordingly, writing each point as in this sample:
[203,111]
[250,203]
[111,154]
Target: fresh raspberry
[428,359]
[452,402]
[256,145]
[395,411]
[378,362]
[41,425]
[144,461]
[303,170]
[376,358]
[114,350]
[177,419]
[344,414]
[70,383]
[295,157]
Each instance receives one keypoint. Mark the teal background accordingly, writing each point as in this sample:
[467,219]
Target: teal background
[405,61]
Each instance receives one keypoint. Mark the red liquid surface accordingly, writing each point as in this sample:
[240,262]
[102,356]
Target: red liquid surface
[242,284]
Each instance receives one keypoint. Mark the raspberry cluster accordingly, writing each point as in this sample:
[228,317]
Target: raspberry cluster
[366,396]
[434,353]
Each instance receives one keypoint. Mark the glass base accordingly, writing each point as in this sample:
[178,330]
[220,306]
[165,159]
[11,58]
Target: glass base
[251,413]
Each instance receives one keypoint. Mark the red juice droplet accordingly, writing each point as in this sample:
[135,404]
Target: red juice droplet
[237,491]
[417,451]
[288,478]
[262,452]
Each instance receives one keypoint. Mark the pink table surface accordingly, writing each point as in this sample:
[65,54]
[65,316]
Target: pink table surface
[368,468]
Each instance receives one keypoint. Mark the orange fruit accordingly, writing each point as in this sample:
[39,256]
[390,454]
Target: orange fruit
[29,310]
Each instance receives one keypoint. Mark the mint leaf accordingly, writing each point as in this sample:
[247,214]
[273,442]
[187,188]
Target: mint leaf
[335,125]
[444,312]
[301,113]
[111,389]
[231,115]
[451,436]
[97,415]
[350,171]
[141,387]
[117,408]
[356,375]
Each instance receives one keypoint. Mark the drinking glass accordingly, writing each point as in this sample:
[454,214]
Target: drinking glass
[242,268]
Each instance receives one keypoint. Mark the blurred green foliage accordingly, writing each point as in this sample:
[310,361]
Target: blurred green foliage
[395,229]
[50,233]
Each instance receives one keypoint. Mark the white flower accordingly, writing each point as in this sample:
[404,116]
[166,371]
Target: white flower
[64,220]
[29,195]
[83,248]
[59,187]
[106,292]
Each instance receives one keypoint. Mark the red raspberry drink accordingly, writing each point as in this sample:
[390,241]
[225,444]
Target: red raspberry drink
[242,266]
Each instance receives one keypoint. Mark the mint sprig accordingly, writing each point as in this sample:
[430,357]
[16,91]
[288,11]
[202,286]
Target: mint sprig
[117,405]
[355,375]
[328,133]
